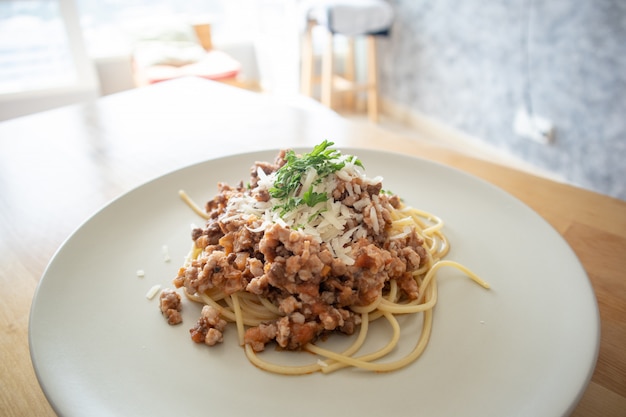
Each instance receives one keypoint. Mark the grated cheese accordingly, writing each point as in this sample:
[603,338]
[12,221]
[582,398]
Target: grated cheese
[325,221]
[152,292]
[166,253]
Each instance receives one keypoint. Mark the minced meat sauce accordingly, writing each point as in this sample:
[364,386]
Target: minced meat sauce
[301,274]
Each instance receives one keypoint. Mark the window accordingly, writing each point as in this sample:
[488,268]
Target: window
[34,49]
[43,63]
[48,47]
[111,26]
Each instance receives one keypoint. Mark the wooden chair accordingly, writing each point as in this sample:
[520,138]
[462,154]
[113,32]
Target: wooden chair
[352,19]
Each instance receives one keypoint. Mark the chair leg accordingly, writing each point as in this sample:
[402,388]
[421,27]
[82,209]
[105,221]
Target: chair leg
[350,73]
[306,72]
[372,79]
[327,72]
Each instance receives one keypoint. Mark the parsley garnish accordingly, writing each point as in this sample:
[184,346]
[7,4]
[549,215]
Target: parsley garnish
[288,179]
[311,198]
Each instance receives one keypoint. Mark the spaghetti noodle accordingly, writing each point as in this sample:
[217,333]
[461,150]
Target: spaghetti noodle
[313,247]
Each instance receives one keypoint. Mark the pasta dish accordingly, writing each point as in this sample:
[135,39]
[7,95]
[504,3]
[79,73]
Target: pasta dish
[309,248]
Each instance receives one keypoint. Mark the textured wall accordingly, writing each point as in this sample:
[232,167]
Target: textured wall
[464,64]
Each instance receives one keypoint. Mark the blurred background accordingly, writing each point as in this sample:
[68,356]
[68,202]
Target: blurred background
[469,74]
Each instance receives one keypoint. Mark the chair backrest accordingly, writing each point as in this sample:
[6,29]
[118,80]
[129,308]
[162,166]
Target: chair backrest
[203,32]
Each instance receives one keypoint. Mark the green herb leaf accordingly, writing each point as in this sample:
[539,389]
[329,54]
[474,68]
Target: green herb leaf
[288,179]
[311,198]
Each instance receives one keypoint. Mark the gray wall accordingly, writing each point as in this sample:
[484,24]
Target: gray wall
[464,64]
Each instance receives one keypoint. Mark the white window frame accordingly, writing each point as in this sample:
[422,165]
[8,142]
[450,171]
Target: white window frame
[85,88]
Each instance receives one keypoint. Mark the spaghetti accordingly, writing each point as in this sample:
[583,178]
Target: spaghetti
[313,247]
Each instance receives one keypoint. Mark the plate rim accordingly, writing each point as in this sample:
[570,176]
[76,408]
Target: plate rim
[272,151]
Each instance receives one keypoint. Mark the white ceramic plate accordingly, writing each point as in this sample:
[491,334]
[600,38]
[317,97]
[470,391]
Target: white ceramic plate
[527,347]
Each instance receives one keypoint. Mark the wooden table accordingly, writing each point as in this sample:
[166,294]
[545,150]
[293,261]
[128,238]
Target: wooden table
[58,167]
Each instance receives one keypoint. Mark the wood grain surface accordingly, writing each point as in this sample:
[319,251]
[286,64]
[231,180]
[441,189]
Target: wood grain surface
[58,167]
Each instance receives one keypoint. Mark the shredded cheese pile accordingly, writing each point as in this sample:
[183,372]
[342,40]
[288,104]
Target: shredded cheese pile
[309,206]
